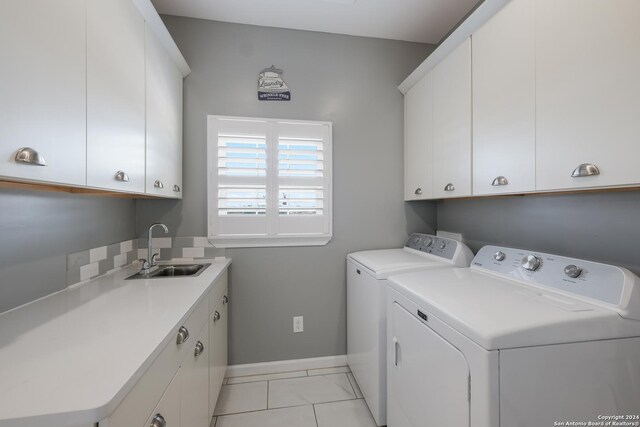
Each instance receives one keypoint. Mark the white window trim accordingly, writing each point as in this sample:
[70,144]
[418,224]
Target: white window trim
[278,240]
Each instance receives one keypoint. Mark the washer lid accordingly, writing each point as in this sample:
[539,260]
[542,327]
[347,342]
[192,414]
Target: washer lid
[382,263]
[499,313]
[421,251]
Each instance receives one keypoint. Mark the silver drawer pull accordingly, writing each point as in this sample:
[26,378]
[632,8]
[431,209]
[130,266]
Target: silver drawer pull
[199,349]
[183,335]
[585,169]
[30,156]
[395,351]
[225,299]
[176,188]
[499,181]
[158,421]
[418,191]
[216,316]
[449,187]
[158,184]
[121,176]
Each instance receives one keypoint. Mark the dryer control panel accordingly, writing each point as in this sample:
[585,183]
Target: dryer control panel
[609,285]
[440,246]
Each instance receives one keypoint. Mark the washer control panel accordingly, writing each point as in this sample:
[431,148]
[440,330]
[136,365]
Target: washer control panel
[440,246]
[601,282]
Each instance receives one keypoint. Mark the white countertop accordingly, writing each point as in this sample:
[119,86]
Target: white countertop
[69,359]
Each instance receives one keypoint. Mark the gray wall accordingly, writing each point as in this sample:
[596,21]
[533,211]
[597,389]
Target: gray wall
[602,227]
[39,228]
[348,80]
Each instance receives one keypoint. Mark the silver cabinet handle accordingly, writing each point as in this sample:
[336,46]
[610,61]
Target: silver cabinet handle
[225,299]
[418,191]
[176,188]
[499,181]
[199,349]
[585,169]
[121,176]
[158,421]
[183,335]
[30,156]
[158,184]
[395,351]
[449,187]
[216,316]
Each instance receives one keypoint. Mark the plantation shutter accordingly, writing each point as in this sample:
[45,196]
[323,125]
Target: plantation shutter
[241,177]
[302,185]
[270,180]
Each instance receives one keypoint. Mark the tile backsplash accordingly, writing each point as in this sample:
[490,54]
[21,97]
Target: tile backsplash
[91,263]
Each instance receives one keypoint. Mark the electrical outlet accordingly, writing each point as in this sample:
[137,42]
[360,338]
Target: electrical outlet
[298,324]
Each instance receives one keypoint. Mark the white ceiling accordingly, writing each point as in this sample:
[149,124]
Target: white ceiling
[425,21]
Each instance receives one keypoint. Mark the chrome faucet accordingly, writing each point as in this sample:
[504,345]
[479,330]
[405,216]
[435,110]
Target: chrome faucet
[149,263]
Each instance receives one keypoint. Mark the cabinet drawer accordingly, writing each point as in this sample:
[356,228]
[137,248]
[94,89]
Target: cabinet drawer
[144,396]
[168,409]
[218,289]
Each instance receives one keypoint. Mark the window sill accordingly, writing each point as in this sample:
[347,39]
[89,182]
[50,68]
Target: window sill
[268,241]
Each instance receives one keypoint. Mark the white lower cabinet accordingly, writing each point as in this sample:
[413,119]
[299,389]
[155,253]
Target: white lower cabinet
[182,384]
[194,383]
[218,329]
[167,413]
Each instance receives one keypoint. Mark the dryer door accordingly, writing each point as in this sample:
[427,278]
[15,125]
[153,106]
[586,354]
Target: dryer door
[428,377]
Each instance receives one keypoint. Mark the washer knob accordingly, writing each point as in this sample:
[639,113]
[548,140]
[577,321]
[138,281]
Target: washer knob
[531,262]
[428,241]
[572,271]
[499,256]
[443,245]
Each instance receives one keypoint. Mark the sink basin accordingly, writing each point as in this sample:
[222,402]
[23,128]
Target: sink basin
[177,270]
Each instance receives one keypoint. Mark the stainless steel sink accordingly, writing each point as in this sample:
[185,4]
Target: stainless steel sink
[177,270]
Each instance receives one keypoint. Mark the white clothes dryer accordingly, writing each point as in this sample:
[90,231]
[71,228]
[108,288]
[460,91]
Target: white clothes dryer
[519,339]
[367,272]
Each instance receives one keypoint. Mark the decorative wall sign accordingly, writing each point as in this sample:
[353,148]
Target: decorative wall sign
[271,87]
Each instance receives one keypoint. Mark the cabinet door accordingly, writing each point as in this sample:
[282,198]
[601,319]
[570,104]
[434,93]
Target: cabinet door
[168,408]
[43,89]
[218,356]
[452,124]
[418,140]
[587,92]
[194,383]
[115,95]
[164,121]
[504,101]
[429,378]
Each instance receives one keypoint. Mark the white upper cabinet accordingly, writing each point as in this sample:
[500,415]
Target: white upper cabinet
[504,110]
[115,96]
[588,94]
[164,121]
[418,140]
[42,87]
[452,124]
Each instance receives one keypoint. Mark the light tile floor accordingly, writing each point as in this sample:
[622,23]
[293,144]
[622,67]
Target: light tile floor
[328,397]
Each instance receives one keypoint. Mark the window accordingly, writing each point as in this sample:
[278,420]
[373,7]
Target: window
[269,182]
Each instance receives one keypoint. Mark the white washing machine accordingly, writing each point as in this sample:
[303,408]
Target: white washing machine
[520,339]
[367,272]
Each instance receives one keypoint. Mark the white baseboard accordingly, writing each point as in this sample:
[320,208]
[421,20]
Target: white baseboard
[286,366]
